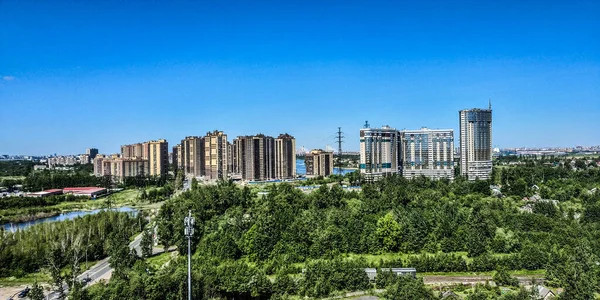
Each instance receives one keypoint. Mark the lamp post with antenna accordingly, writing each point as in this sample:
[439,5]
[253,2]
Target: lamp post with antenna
[189,232]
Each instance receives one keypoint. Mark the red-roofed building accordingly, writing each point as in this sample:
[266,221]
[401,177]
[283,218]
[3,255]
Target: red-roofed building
[91,192]
[45,193]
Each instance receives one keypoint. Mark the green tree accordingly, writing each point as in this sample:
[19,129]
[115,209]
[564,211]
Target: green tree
[389,233]
[408,288]
[55,260]
[580,278]
[36,293]
[502,277]
[146,243]
[179,180]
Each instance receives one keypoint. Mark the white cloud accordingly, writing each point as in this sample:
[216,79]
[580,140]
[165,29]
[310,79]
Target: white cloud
[8,78]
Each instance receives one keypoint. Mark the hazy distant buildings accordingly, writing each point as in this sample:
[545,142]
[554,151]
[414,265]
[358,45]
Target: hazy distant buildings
[476,143]
[427,152]
[285,156]
[65,160]
[84,159]
[319,162]
[378,152]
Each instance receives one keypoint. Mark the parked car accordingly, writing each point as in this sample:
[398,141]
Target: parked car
[23,293]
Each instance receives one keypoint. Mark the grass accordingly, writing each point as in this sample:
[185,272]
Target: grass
[160,260]
[28,279]
[12,177]
[124,197]
[386,257]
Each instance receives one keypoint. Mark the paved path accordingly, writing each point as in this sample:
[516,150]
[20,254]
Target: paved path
[448,280]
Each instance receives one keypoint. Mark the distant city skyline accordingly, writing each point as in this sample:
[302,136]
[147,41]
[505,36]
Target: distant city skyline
[75,75]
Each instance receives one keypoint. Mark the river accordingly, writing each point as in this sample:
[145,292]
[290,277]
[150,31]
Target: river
[12,227]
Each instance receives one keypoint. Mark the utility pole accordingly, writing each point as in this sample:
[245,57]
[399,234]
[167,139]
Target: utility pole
[340,138]
[189,232]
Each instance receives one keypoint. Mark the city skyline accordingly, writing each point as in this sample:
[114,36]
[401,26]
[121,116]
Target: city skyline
[106,74]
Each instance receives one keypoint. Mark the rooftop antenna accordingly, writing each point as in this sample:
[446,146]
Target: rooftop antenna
[490,103]
[367,124]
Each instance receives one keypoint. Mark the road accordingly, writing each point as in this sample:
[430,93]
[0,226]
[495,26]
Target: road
[102,269]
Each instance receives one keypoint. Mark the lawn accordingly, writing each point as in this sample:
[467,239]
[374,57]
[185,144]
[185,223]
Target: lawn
[12,177]
[28,279]
[160,260]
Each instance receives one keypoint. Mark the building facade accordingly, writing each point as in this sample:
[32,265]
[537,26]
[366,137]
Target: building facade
[476,143]
[378,152]
[140,159]
[215,155]
[91,152]
[319,162]
[427,152]
[179,156]
[254,157]
[285,157]
[158,157]
[192,150]
[98,165]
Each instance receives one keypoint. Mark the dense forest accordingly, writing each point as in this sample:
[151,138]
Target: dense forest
[63,243]
[290,243]
[16,167]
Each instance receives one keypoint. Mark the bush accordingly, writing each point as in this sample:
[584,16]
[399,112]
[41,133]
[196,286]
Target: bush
[503,278]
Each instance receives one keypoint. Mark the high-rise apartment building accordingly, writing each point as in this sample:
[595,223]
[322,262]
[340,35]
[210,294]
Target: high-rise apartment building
[138,150]
[179,163]
[98,166]
[427,152]
[173,155]
[178,157]
[319,163]
[254,157]
[378,152]
[215,155]
[158,157]
[91,152]
[192,155]
[140,159]
[285,157]
[476,143]
[229,157]
[118,167]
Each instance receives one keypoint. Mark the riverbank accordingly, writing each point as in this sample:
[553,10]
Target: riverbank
[29,214]
[28,218]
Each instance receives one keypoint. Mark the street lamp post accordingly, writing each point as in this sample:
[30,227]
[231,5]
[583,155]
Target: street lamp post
[189,232]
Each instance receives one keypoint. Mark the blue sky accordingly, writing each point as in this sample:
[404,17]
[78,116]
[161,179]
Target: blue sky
[78,74]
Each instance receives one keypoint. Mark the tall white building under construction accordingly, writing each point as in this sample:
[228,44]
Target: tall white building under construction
[378,152]
[427,152]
